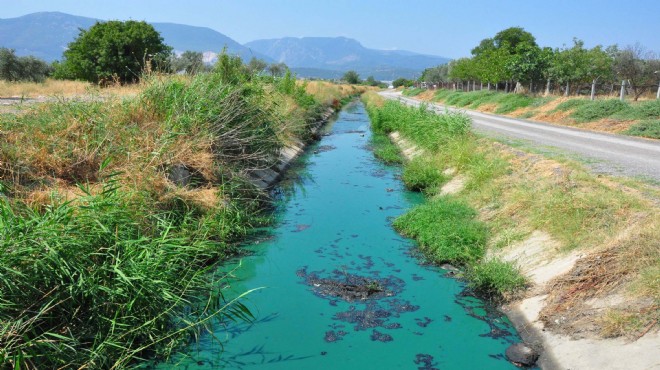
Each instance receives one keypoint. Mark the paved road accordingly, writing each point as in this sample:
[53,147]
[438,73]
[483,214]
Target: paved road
[613,154]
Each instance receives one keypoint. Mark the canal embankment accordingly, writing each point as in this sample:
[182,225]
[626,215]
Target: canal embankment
[584,245]
[114,213]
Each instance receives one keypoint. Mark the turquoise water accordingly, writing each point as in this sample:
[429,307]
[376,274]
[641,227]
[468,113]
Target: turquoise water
[335,223]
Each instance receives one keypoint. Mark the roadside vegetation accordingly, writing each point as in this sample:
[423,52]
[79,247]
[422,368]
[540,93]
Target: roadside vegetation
[610,115]
[108,253]
[509,199]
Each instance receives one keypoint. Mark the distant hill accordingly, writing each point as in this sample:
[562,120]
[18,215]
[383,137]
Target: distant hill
[340,54]
[46,35]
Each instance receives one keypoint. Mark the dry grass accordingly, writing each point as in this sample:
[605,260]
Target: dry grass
[326,92]
[62,88]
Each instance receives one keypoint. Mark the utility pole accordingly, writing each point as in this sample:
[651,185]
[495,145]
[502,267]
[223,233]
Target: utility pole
[657,95]
[623,90]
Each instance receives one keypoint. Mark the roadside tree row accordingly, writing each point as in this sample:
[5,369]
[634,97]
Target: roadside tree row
[513,61]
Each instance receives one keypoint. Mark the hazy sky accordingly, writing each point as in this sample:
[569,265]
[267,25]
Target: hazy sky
[439,27]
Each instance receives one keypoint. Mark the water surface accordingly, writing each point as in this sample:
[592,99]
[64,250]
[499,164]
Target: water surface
[335,223]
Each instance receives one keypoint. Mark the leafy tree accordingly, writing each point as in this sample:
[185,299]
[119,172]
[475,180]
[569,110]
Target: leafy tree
[402,82]
[114,49]
[637,66]
[257,66]
[511,37]
[525,63]
[277,69]
[351,77]
[436,75]
[190,62]
[14,68]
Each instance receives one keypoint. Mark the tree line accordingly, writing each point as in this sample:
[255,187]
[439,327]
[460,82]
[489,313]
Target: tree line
[119,52]
[513,61]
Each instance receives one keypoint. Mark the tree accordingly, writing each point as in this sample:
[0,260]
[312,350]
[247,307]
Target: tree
[14,68]
[190,62]
[402,82]
[277,69]
[637,66]
[114,49]
[257,66]
[511,37]
[351,77]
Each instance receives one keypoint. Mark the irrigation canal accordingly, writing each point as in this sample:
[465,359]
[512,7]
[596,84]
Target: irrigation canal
[333,234]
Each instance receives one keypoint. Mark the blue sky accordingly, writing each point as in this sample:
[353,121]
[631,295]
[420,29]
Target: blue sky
[438,27]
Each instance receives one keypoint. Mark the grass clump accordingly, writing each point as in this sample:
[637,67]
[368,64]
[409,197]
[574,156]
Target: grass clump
[92,284]
[121,268]
[385,150]
[495,278]
[650,129]
[413,91]
[511,102]
[598,109]
[446,231]
[421,174]
[570,105]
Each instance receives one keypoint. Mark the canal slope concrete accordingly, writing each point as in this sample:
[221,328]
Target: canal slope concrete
[541,261]
[267,177]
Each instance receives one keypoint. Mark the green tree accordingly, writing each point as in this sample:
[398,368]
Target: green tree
[402,82]
[638,67]
[190,62]
[114,49]
[277,69]
[351,77]
[14,68]
[257,66]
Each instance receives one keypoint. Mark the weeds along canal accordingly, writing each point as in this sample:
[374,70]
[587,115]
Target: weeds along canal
[341,289]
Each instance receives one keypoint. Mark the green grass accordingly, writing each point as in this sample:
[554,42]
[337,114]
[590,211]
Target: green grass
[495,278]
[650,129]
[570,105]
[505,103]
[598,109]
[385,150]
[421,174]
[90,284]
[446,231]
[127,269]
[413,91]
[510,102]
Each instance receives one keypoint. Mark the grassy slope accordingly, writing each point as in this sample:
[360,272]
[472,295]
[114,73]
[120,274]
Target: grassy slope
[516,193]
[104,258]
[612,115]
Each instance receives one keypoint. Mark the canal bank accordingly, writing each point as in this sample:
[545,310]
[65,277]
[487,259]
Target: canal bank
[586,245]
[333,229]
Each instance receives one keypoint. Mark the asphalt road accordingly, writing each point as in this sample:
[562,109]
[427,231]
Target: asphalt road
[605,153]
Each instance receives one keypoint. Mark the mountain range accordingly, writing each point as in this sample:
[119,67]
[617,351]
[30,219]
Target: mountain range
[46,35]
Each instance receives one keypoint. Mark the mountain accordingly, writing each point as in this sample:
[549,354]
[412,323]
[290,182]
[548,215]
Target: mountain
[46,35]
[340,54]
